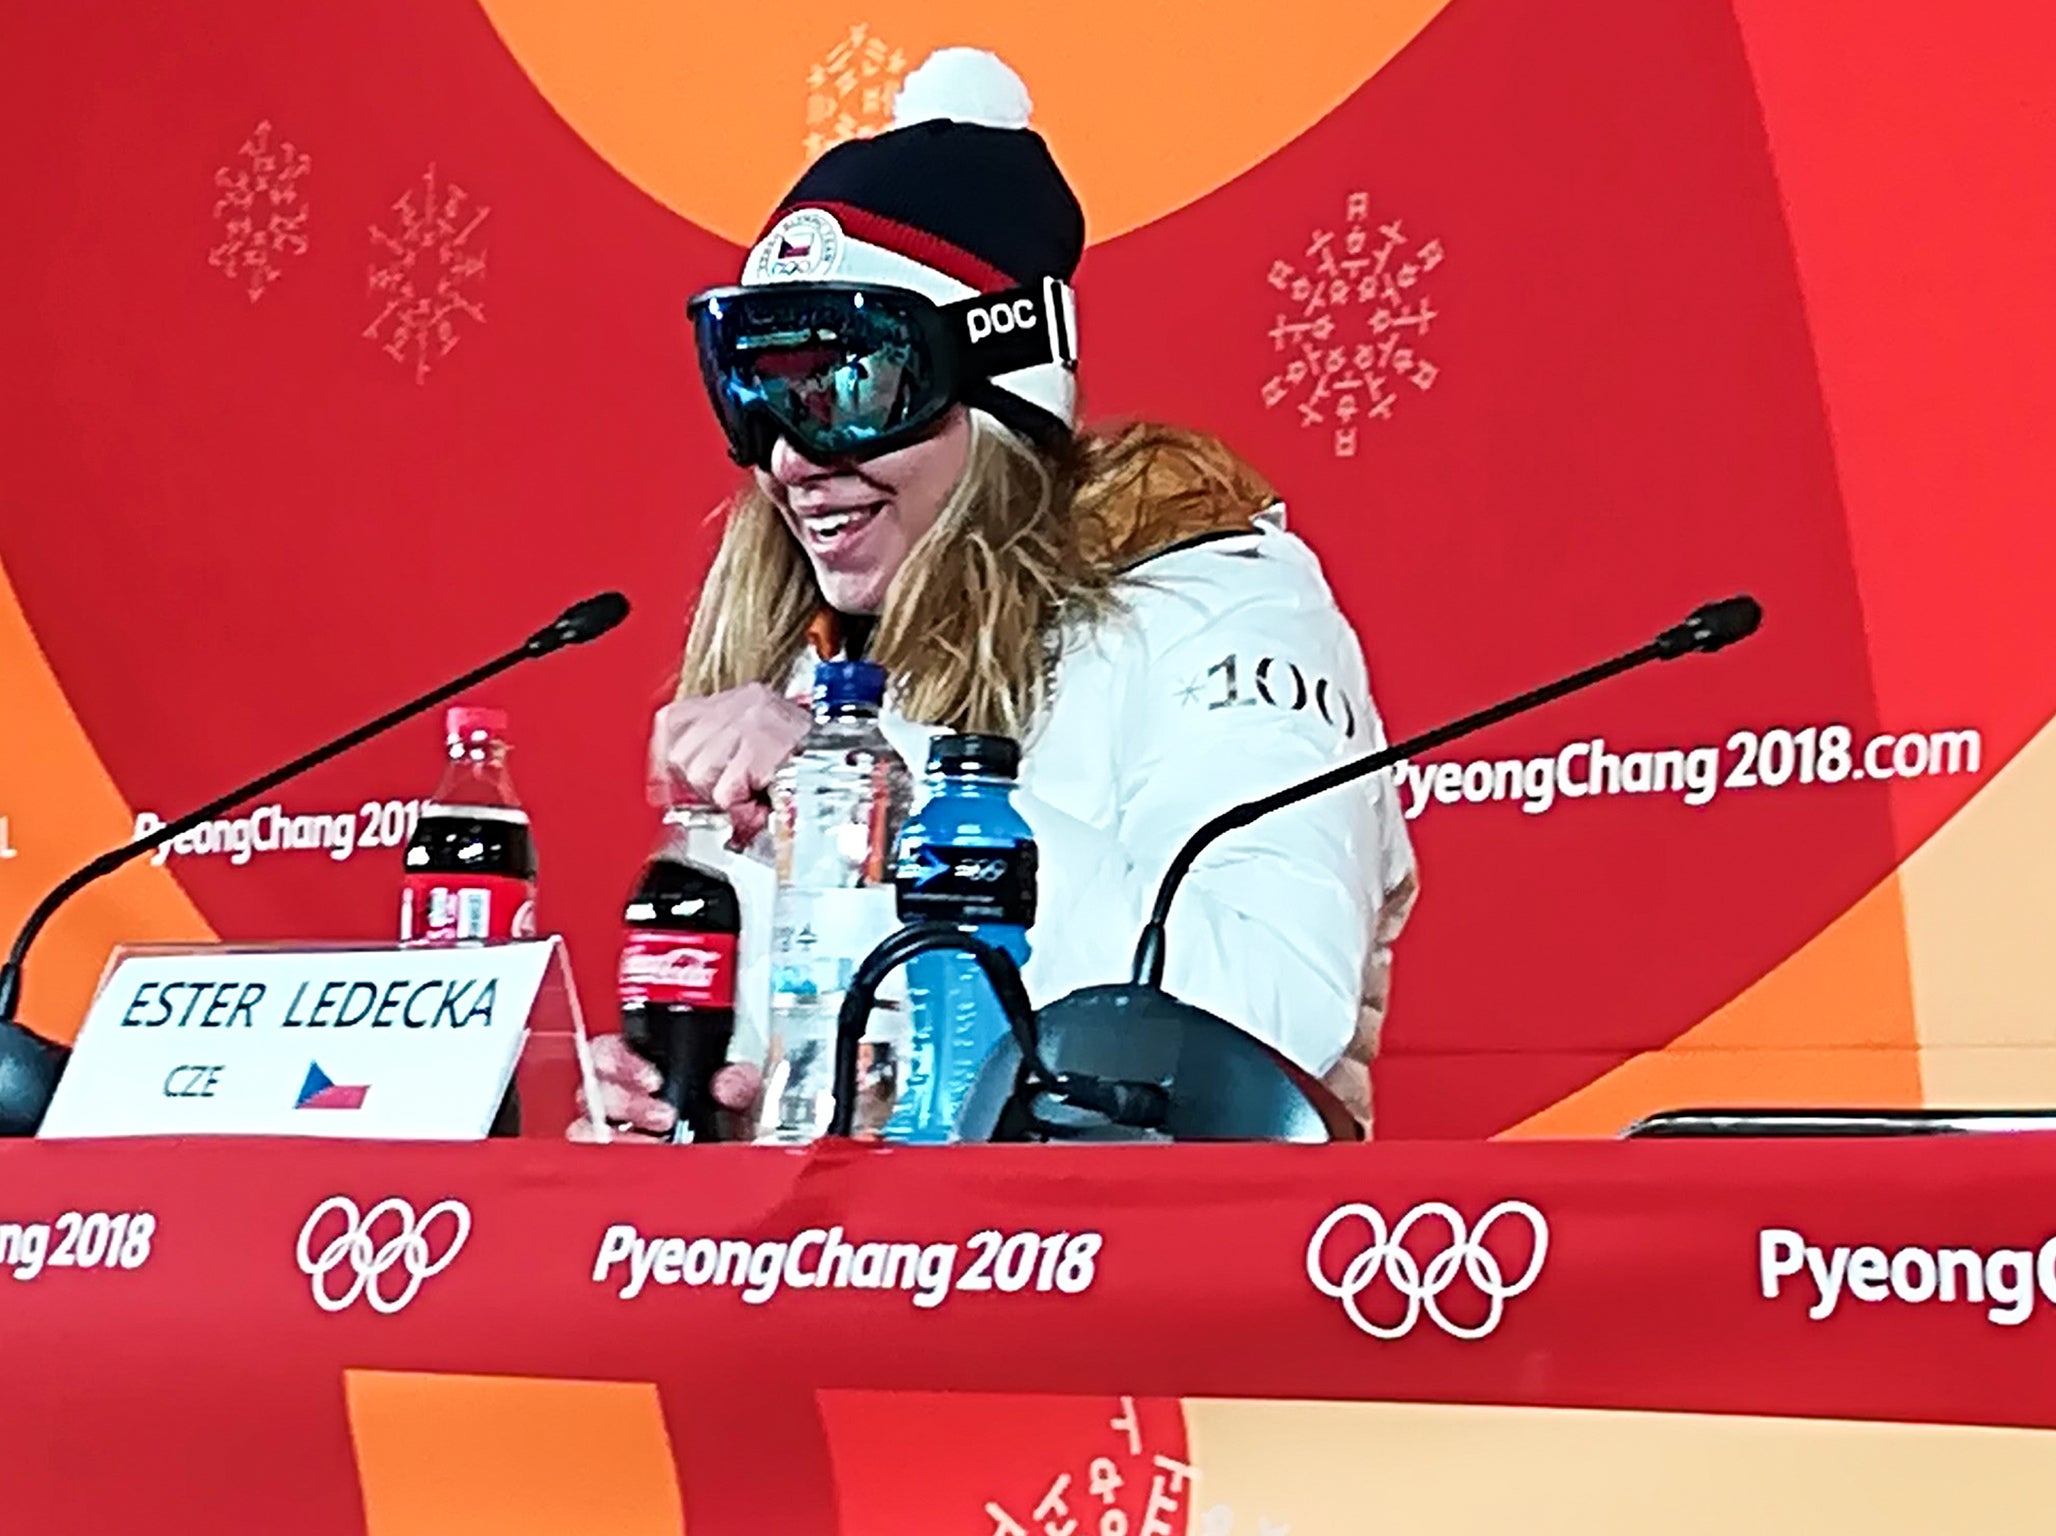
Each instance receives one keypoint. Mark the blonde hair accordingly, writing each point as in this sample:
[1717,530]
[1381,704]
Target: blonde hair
[1026,543]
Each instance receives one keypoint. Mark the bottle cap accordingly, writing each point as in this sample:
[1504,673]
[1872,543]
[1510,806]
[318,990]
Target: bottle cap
[841,683]
[465,721]
[997,757]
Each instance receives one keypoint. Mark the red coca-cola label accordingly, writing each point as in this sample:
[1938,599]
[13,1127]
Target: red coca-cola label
[448,909]
[678,970]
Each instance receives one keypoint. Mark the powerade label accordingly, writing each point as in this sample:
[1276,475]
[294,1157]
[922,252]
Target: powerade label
[963,884]
[448,909]
[678,970]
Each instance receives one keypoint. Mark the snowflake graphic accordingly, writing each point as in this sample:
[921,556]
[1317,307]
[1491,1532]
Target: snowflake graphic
[427,271]
[850,92]
[1362,313]
[262,215]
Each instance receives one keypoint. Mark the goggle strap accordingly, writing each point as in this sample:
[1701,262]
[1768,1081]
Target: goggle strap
[999,333]
[1062,306]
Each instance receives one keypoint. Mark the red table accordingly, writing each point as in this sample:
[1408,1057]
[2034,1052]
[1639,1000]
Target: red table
[1139,1345]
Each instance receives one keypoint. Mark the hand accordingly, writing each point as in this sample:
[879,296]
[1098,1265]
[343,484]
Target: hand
[628,1095]
[727,746]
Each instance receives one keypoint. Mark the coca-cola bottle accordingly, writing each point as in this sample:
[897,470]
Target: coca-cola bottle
[471,861]
[677,977]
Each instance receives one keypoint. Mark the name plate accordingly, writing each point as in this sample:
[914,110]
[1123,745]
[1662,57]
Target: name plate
[376,1043]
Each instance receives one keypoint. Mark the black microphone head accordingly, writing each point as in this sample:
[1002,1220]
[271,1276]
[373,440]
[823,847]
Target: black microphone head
[1711,627]
[594,617]
[581,622]
[1725,622]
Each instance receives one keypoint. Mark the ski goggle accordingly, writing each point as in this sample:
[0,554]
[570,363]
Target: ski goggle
[851,370]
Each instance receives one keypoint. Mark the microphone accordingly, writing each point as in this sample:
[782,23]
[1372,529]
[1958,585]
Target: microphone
[30,1065]
[577,624]
[1711,627]
[1215,1081]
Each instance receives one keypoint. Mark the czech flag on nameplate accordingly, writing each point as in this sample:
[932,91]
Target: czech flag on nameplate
[320,1091]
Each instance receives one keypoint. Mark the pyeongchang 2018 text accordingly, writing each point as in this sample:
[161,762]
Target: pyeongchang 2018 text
[825,1258]
[1748,760]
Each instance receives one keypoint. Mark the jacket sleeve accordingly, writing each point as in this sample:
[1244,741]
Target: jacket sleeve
[1238,676]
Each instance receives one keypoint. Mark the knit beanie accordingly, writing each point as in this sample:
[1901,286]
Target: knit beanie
[960,197]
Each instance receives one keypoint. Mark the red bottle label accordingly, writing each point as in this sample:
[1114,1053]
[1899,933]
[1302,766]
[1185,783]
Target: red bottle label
[448,909]
[679,970]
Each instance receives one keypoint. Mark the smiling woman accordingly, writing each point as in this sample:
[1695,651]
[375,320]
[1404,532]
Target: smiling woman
[859,524]
[1015,575]
[957,555]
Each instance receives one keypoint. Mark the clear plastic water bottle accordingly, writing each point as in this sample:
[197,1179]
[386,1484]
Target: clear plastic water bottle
[836,808]
[965,856]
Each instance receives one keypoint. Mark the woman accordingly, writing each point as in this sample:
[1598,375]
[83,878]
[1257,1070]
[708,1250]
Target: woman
[896,372]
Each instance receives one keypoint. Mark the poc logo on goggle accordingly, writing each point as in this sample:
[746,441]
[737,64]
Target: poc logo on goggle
[1002,319]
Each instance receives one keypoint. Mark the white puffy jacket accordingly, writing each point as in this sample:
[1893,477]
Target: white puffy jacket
[1228,672]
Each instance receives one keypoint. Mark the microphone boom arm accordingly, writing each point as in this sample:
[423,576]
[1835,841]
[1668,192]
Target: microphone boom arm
[579,623]
[1708,629]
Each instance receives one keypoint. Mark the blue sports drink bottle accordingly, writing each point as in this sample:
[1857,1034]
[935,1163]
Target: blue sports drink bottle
[965,856]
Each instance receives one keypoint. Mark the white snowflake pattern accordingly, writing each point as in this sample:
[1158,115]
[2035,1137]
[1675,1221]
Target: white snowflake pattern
[850,92]
[261,211]
[427,271]
[1362,315]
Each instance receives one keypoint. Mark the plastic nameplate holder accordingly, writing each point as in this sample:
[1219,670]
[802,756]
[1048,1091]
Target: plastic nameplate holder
[359,1041]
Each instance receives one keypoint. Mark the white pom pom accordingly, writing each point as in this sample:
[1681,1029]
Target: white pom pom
[962,85]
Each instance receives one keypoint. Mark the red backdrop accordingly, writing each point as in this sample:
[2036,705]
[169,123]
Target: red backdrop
[345,344]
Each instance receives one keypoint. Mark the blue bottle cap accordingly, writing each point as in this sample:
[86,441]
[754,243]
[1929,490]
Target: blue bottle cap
[840,684]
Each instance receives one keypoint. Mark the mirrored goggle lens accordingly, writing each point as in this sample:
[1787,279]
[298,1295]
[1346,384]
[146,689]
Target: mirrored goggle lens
[838,372]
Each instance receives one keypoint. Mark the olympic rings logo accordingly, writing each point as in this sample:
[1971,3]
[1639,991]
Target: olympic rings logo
[1422,1285]
[409,1249]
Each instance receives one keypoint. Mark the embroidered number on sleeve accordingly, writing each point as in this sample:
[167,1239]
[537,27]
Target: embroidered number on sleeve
[1239,681]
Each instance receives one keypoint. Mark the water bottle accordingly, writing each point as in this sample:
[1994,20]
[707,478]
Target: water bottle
[836,808]
[965,856]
